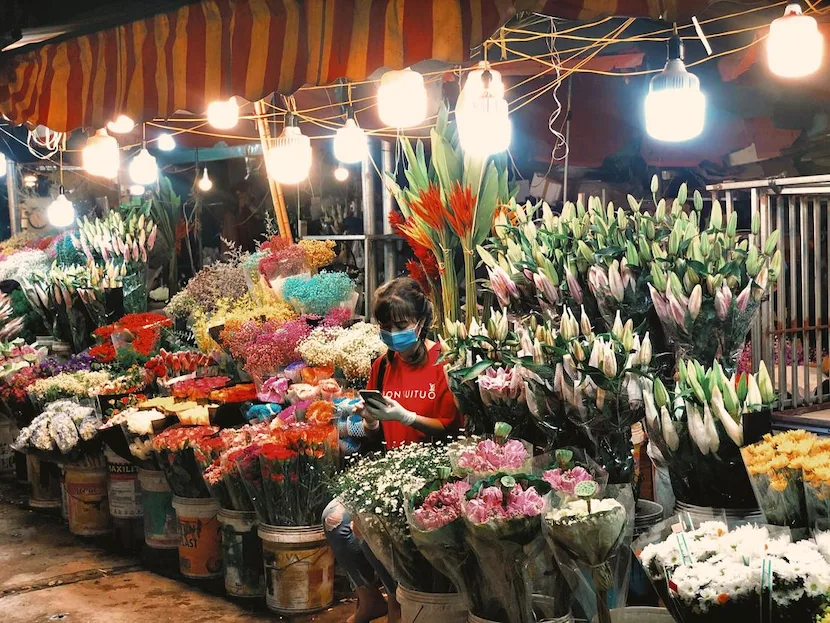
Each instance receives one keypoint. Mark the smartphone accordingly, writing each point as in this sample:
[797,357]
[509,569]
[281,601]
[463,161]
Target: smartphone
[373,396]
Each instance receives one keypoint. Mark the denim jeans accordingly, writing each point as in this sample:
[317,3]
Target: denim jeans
[352,554]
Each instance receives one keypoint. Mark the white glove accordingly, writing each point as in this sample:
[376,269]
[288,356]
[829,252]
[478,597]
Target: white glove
[391,412]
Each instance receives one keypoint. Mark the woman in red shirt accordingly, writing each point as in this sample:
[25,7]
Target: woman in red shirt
[418,406]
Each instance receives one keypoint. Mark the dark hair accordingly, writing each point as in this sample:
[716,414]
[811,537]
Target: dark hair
[403,300]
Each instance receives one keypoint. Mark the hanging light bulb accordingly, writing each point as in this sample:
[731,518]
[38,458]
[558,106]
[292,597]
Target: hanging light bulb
[402,98]
[795,47]
[675,107]
[143,169]
[289,160]
[122,125]
[137,190]
[100,156]
[341,174]
[205,183]
[3,165]
[481,113]
[350,142]
[223,114]
[166,142]
[61,212]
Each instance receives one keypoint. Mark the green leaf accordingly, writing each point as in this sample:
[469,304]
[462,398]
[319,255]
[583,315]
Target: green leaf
[473,372]
[486,205]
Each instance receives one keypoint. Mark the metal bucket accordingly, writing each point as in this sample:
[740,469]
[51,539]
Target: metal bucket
[87,507]
[445,607]
[242,553]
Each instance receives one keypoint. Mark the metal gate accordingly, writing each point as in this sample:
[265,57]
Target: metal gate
[791,333]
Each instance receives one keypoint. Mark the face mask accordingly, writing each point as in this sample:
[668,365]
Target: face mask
[399,340]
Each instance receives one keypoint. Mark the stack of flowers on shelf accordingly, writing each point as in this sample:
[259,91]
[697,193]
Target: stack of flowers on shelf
[711,573]
[133,336]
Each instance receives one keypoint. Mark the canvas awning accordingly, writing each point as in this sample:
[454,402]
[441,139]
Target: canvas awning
[183,59]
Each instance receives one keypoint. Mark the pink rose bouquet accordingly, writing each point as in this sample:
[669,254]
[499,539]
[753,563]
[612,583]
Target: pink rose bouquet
[274,390]
[564,481]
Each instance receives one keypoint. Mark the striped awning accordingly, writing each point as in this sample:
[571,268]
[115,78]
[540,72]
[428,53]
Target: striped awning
[183,59]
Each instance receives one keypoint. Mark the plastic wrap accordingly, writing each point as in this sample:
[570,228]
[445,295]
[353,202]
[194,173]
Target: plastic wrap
[590,539]
[134,285]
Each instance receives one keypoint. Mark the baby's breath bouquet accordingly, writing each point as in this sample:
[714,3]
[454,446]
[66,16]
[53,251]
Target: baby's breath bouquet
[374,489]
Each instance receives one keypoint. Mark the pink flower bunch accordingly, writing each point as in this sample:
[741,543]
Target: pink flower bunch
[275,349]
[301,392]
[490,504]
[274,390]
[566,481]
[502,385]
[442,507]
[489,456]
[337,317]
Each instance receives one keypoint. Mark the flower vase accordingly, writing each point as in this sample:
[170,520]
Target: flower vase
[114,302]
[135,290]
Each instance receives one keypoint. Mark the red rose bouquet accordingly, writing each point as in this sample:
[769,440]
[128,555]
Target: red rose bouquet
[180,451]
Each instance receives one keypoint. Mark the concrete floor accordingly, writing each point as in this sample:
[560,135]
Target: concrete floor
[48,575]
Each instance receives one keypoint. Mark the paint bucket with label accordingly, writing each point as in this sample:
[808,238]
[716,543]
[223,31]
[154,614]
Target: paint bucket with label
[242,553]
[88,511]
[160,528]
[200,555]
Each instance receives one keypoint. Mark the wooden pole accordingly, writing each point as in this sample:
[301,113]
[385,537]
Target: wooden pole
[276,190]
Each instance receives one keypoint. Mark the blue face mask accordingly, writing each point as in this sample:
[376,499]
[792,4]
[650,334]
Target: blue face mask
[399,341]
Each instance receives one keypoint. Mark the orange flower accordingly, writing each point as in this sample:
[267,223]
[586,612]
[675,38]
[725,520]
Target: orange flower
[460,216]
[430,208]
[417,234]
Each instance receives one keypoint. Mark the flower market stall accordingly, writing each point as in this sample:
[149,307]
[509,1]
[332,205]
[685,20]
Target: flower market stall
[212,418]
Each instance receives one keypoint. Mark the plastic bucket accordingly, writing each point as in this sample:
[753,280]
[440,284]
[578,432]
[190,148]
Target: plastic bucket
[708,513]
[445,607]
[64,500]
[88,511]
[200,555]
[160,528]
[646,515]
[242,553]
[44,477]
[640,614]
[299,568]
[7,467]
[122,487]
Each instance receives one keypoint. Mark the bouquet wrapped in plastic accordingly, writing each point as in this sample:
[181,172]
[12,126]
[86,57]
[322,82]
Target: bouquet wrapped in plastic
[176,449]
[589,525]
[816,475]
[374,489]
[438,531]
[774,465]
[710,573]
[222,476]
[64,431]
[479,458]
[502,516]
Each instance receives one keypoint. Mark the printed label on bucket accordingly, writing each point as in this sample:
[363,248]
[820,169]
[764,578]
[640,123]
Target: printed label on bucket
[298,580]
[199,552]
[124,493]
[160,528]
[87,505]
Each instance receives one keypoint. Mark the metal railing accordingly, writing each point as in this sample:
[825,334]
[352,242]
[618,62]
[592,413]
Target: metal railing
[791,333]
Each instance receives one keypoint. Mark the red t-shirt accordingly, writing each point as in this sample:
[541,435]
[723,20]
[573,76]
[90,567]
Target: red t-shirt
[421,389]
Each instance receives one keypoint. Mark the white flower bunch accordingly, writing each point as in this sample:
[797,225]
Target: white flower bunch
[351,349]
[22,264]
[61,426]
[711,566]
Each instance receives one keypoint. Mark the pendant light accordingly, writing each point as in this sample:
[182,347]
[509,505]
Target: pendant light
[223,114]
[675,107]
[795,47]
[350,141]
[61,212]
[289,160]
[402,98]
[481,113]
[100,155]
[341,173]
[3,164]
[143,168]
[122,125]
[137,190]
[166,142]
[205,184]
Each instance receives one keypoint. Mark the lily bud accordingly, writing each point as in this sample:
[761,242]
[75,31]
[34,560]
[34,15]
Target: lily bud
[733,429]
[585,323]
[486,257]
[645,351]
[660,212]
[711,429]
[645,249]
[743,297]
[658,277]
[617,327]
[578,351]
[753,394]
[450,328]
[661,394]
[762,280]
[721,307]
[694,301]
[772,242]
[615,281]
[775,264]
[628,336]
[732,225]
[565,326]
[538,354]
[697,430]
[610,363]
[669,432]
[716,218]
[755,226]
[765,384]
[574,289]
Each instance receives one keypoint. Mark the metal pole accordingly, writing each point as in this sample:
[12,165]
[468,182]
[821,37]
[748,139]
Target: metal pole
[389,255]
[369,264]
[12,189]
[567,144]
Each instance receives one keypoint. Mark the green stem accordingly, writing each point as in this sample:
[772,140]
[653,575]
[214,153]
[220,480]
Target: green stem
[449,286]
[471,302]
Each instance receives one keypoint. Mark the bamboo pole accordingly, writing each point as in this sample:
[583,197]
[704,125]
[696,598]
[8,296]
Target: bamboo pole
[276,190]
